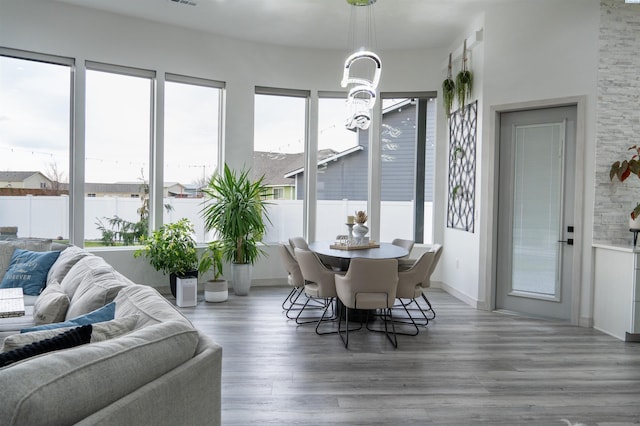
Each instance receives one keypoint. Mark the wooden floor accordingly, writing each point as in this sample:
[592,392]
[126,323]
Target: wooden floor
[465,367]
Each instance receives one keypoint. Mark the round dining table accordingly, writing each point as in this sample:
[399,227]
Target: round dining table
[385,251]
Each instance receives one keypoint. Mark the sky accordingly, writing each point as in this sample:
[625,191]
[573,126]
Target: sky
[35,111]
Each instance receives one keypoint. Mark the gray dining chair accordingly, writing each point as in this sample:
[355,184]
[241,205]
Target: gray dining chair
[294,277]
[298,242]
[369,284]
[410,288]
[319,286]
[331,262]
[436,249]
[406,244]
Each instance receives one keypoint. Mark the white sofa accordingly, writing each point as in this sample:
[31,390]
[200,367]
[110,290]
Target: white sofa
[161,372]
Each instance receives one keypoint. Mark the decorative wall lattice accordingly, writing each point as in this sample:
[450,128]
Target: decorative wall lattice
[462,168]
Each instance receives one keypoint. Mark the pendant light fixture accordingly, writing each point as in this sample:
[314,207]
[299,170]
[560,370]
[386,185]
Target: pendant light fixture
[363,67]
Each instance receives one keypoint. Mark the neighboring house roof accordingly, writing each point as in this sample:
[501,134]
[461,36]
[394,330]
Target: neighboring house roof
[329,155]
[20,176]
[276,167]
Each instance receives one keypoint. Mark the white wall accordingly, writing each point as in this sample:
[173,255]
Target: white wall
[530,51]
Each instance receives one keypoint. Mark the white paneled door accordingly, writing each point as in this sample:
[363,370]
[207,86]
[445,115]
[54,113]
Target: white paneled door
[535,212]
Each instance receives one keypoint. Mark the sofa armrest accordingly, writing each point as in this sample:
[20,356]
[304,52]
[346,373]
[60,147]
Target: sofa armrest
[189,394]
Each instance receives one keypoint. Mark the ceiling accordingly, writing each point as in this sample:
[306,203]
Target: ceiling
[400,24]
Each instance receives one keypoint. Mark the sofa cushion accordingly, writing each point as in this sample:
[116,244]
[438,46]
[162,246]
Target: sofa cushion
[148,304]
[7,248]
[101,331]
[28,269]
[51,305]
[98,374]
[104,313]
[76,274]
[98,287]
[68,257]
[69,339]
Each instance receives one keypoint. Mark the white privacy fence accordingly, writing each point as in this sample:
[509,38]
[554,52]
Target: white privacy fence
[48,217]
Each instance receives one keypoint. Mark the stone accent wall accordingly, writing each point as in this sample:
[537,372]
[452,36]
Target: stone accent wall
[618,118]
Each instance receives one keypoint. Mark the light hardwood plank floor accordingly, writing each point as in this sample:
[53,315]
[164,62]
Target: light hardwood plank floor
[465,367]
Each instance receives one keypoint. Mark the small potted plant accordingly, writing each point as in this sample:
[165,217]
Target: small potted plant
[622,170]
[216,289]
[172,250]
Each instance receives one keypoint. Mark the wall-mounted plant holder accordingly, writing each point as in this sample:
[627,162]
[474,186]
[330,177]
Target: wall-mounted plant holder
[458,153]
[462,168]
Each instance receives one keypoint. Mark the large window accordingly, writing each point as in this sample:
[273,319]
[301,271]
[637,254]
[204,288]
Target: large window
[122,109]
[279,143]
[341,183]
[117,140]
[35,105]
[191,146]
[407,153]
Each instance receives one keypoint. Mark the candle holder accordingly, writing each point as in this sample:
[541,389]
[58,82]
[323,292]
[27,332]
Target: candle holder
[350,226]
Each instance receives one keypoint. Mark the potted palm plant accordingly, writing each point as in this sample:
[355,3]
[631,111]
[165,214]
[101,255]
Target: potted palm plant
[236,209]
[172,250]
[216,289]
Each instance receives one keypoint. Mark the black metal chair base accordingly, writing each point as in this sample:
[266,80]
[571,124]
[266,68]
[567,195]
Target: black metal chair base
[345,337]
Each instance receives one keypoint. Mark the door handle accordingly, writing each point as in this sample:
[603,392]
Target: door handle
[569,241]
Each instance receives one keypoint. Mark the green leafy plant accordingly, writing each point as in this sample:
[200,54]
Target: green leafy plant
[464,80]
[212,259]
[171,249]
[457,191]
[237,211]
[119,231]
[623,169]
[448,91]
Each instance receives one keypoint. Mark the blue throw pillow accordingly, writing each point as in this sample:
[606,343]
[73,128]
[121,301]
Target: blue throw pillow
[29,269]
[106,313]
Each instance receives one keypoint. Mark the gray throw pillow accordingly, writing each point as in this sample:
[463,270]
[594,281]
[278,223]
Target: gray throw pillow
[51,305]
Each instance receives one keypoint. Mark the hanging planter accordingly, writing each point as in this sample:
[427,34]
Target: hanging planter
[464,80]
[448,91]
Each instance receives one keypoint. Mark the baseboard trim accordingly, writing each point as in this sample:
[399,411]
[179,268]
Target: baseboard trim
[585,322]
[458,295]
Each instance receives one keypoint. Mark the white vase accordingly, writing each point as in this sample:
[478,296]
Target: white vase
[634,223]
[241,278]
[359,232]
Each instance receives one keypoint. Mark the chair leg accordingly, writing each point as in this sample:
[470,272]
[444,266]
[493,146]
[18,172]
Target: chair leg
[417,308]
[345,341]
[411,321]
[295,302]
[290,300]
[394,342]
[387,312]
[430,307]
[324,306]
[333,317]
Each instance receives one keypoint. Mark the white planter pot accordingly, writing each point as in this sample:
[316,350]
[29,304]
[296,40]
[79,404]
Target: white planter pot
[634,223]
[241,278]
[216,291]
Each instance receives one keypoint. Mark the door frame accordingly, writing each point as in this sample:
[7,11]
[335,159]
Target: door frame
[488,256]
